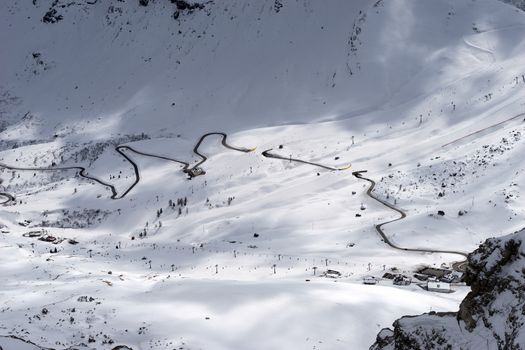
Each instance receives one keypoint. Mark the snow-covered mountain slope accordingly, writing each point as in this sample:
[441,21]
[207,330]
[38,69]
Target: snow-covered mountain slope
[245,64]
[426,95]
[491,315]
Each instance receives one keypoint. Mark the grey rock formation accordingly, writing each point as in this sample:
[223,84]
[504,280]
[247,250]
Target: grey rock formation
[518,3]
[492,315]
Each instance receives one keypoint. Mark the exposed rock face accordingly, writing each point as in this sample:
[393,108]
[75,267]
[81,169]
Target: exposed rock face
[492,315]
[58,9]
[52,16]
[183,6]
[518,3]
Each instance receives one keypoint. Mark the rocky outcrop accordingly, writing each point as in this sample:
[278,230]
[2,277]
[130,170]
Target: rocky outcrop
[58,9]
[518,3]
[492,315]
[185,7]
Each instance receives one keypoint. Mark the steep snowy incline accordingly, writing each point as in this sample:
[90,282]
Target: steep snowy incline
[239,62]
[243,64]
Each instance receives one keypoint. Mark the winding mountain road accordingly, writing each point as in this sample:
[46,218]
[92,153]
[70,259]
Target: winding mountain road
[458,266]
[82,172]
[223,142]
[8,198]
[268,154]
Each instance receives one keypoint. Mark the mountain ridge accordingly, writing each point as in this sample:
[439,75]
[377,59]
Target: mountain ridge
[491,315]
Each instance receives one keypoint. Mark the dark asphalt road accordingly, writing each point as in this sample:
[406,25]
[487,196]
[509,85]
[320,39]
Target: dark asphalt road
[458,266]
[82,172]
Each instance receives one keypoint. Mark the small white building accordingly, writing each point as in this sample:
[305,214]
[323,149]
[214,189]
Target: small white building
[193,172]
[369,280]
[454,276]
[437,286]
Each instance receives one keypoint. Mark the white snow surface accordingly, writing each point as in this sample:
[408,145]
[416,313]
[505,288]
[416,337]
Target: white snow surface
[392,87]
